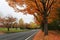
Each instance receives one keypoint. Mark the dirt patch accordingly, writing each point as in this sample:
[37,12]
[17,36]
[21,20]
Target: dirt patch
[1,33]
[52,35]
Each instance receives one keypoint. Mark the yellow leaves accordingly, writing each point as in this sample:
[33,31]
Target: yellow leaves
[33,25]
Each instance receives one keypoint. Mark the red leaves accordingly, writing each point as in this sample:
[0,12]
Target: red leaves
[53,35]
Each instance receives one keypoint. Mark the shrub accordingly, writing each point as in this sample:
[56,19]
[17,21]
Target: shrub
[55,25]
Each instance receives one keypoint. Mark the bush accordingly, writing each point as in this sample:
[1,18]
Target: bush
[55,25]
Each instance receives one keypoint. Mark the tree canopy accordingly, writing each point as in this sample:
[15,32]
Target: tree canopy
[36,7]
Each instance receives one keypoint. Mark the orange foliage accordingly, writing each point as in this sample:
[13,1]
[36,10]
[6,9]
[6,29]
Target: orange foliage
[32,8]
[51,36]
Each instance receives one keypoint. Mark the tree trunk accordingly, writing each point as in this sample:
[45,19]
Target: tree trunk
[42,25]
[8,29]
[45,25]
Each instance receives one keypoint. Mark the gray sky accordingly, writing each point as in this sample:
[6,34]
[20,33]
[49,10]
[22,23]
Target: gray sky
[6,10]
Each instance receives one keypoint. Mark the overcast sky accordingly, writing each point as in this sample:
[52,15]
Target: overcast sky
[6,10]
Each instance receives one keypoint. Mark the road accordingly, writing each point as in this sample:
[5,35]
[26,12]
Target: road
[19,36]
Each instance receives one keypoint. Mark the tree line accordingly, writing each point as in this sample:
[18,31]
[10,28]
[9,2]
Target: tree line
[11,22]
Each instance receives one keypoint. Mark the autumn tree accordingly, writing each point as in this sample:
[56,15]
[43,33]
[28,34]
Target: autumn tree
[21,23]
[33,25]
[7,21]
[27,25]
[41,9]
[1,20]
[15,25]
[10,21]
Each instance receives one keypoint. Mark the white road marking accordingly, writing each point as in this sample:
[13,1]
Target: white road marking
[30,36]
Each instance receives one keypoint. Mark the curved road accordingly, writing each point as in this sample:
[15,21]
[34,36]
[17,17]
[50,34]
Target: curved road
[28,35]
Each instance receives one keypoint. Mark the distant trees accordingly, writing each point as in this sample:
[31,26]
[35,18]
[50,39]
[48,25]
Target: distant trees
[7,21]
[15,25]
[3,21]
[27,25]
[30,25]
[33,25]
[1,24]
[21,23]
[10,22]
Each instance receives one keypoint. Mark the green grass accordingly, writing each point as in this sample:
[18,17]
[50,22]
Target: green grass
[11,30]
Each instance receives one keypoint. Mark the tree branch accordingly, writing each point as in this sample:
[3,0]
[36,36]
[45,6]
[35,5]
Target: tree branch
[37,18]
[39,9]
[51,4]
[48,12]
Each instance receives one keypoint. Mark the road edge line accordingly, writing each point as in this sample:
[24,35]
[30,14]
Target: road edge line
[30,36]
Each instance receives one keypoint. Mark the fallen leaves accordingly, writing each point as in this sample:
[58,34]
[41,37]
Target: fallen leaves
[53,35]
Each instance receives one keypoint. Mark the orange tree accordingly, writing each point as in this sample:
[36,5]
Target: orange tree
[42,10]
[8,21]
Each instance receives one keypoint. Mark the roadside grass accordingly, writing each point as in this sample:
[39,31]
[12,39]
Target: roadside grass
[12,30]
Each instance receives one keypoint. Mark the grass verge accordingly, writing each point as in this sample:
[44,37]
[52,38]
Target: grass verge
[11,30]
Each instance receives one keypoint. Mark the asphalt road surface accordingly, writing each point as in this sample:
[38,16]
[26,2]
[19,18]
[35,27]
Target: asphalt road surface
[28,35]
